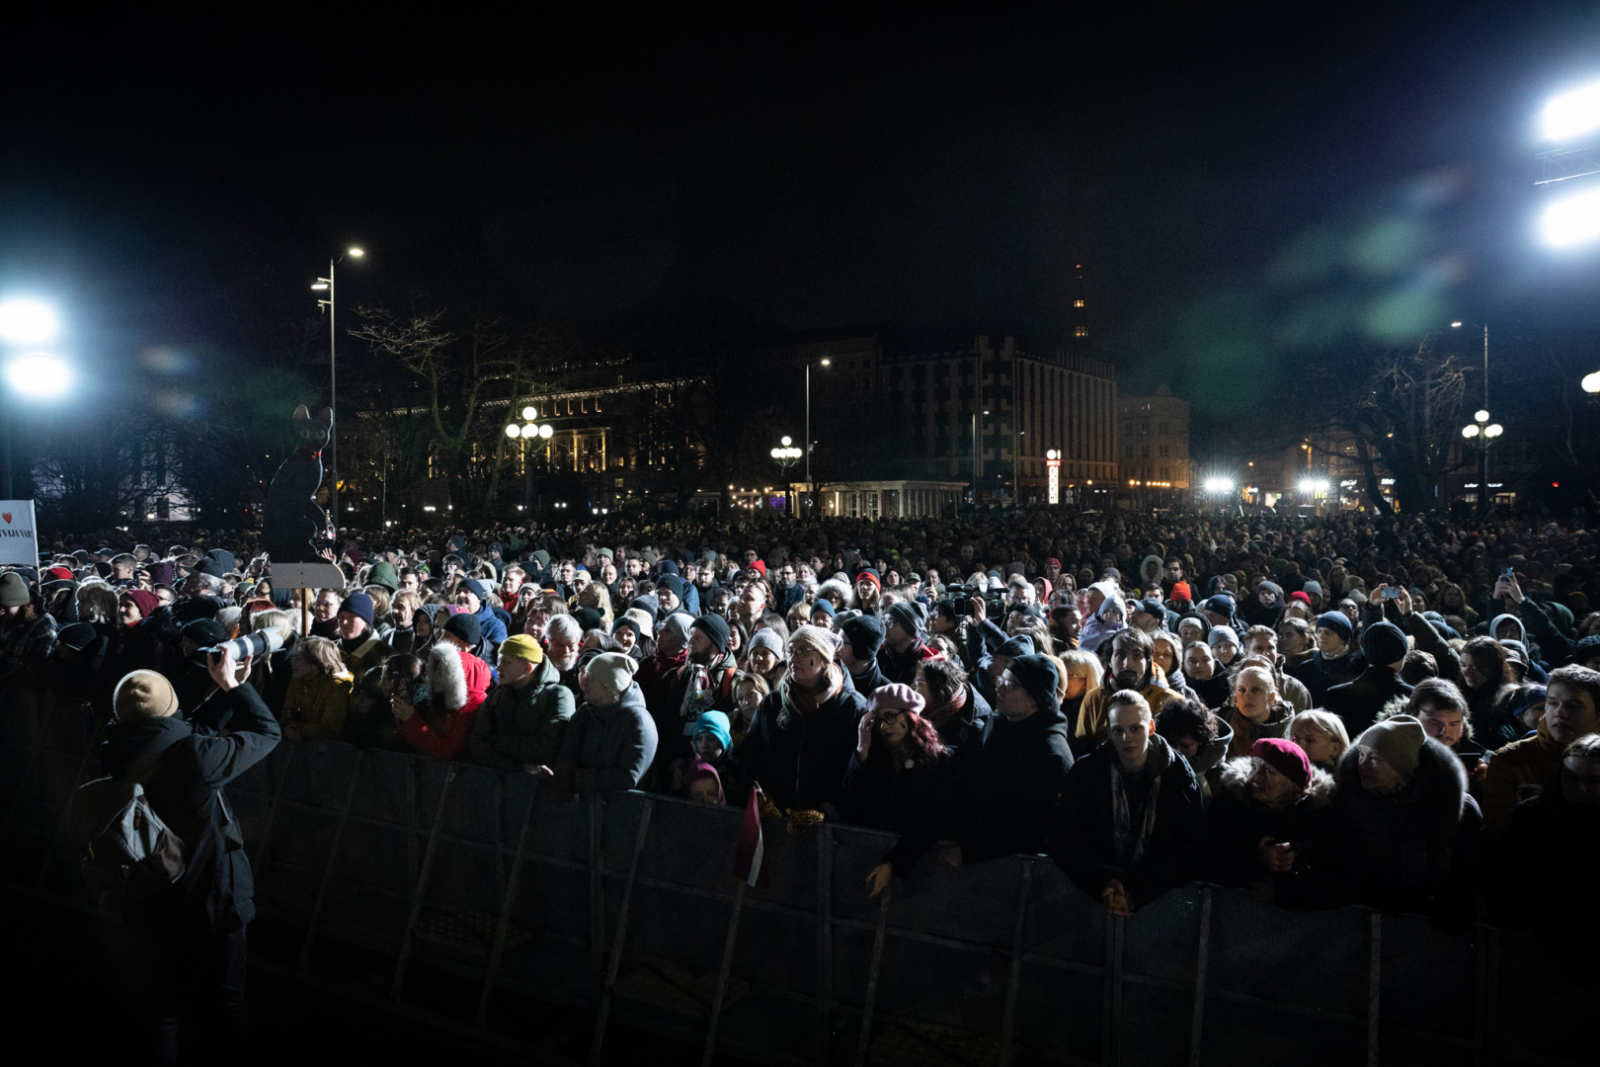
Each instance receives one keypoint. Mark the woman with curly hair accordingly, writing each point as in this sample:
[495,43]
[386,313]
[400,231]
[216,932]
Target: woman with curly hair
[902,780]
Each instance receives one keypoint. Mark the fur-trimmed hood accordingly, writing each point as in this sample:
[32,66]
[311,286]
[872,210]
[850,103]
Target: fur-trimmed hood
[447,678]
[1437,789]
[834,585]
[1234,774]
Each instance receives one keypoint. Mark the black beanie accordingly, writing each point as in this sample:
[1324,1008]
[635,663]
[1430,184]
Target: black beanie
[465,627]
[1384,643]
[1020,645]
[589,618]
[714,627]
[672,582]
[865,634]
[1037,675]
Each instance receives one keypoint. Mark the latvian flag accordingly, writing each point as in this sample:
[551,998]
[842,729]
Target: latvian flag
[752,847]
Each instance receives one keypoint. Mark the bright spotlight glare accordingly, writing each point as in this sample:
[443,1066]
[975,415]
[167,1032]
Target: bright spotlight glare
[358,252]
[1591,382]
[1572,221]
[1572,114]
[24,321]
[38,376]
[530,413]
[513,430]
[1219,485]
[547,430]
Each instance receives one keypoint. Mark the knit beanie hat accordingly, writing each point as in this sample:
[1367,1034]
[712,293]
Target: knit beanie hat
[1398,740]
[898,696]
[677,624]
[13,590]
[865,634]
[476,588]
[869,574]
[768,638]
[358,604]
[1020,645]
[1181,591]
[906,614]
[1221,633]
[144,695]
[78,636]
[1221,604]
[1383,642]
[824,606]
[521,646]
[814,639]
[1037,675]
[716,628]
[613,673]
[1339,623]
[382,574]
[589,618]
[649,605]
[1301,597]
[1285,757]
[640,619]
[1195,617]
[714,723]
[466,627]
[1312,589]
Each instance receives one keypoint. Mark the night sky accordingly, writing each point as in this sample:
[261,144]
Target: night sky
[1249,184]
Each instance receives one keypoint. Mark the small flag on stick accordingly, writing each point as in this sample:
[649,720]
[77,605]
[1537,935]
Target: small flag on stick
[747,858]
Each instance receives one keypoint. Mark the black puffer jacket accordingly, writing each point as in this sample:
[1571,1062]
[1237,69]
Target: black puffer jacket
[183,767]
[799,759]
[1010,784]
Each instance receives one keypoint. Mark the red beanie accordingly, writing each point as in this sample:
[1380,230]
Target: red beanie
[1285,757]
[1304,598]
[757,565]
[1180,591]
[1054,561]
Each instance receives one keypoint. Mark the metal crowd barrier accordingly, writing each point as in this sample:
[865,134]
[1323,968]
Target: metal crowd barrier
[628,904]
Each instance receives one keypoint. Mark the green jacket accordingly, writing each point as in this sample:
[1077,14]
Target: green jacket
[515,727]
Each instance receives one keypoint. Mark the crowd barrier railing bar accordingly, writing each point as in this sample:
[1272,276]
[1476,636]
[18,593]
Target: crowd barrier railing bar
[486,876]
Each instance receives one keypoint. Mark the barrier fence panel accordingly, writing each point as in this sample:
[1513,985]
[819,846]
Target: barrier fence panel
[989,963]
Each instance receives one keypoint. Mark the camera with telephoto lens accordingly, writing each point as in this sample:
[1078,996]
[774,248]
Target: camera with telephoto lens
[260,643]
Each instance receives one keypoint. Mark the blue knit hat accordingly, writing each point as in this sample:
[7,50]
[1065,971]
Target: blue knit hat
[716,724]
[1339,623]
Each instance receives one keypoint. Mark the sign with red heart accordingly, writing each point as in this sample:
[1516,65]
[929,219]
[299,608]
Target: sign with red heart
[18,544]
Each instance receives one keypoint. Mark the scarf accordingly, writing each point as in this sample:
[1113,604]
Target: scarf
[1128,841]
[945,712]
[700,691]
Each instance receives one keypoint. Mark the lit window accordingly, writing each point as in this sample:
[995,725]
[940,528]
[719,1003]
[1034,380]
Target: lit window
[1077,303]
[1080,331]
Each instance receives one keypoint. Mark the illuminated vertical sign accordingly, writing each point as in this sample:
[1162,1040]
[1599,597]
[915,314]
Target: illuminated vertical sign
[1052,461]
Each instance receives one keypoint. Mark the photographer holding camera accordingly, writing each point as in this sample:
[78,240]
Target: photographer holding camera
[184,948]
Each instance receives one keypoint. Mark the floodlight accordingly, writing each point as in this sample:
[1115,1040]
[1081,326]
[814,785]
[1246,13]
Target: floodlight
[1572,220]
[39,376]
[24,321]
[1572,114]
[357,252]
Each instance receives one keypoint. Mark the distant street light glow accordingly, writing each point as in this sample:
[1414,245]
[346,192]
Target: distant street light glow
[530,413]
[513,430]
[1219,485]
[547,430]
[357,252]
[38,376]
[1469,432]
[25,321]
[1572,114]
[1572,221]
[1591,382]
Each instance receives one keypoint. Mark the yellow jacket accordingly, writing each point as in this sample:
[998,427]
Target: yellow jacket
[1534,760]
[317,706]
[1092,719]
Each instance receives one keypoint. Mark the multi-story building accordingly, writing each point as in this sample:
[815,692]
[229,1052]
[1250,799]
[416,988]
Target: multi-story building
[1154,441]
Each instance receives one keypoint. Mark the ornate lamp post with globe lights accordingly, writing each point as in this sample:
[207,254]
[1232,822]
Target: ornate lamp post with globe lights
[529,431]
[1480,433]
[786,456]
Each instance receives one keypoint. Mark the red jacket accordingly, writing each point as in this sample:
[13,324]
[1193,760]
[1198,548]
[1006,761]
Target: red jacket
[447,688]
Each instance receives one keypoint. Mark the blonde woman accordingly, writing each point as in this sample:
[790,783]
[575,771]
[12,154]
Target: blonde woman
[1321,734]
[97,603]
[1082,671]
[597,596]
[318,699]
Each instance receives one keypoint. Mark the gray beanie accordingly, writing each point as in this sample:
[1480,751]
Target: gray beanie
[767,637]
[613,673]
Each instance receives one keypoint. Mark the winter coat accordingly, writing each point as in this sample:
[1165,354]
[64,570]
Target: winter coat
[869,681]
[1085,841]
[967,725]
[183,767]
[1548,865]
[1412,849]
[1093,722]
[1009,784]
[1098,630]
[674,723]
[1253,613]
[1535,760]
[316,706]
[612,747]
[1208,764]
[901,667]
[457,681]
[521,727]
[1236,822]
[915,802]
[1246,731]
[1214,691]
[1359,702]
[1320,674]
[799,758]
[1492,709]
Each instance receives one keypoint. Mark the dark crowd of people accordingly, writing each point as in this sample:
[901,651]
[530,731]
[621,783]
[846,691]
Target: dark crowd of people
[1347,709]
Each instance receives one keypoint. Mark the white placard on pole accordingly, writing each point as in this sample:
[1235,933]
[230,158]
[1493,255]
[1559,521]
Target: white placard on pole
[19,540]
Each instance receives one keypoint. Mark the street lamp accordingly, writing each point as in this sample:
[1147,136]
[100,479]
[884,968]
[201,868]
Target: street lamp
[825,362]
[1480,433]
[327,285]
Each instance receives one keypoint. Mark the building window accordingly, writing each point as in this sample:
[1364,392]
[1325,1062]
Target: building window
[1161,428]
[1080,331]
[1077,303]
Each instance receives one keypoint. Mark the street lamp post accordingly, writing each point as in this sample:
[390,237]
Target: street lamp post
[786,454]
[333,379]
[824,361]
[1481,433]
